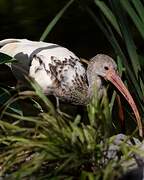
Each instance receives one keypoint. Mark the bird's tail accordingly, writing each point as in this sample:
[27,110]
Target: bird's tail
[7,41]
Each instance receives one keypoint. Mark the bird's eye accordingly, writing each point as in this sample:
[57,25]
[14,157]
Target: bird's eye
[106,68]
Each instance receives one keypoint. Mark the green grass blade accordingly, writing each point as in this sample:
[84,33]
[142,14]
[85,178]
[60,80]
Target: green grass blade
[55,20]
[131,48]
[4,58]
[139,8]
[135,18]
[6,100]
[108,14]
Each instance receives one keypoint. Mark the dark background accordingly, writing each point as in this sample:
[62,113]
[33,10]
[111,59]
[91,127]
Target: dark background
[76,30]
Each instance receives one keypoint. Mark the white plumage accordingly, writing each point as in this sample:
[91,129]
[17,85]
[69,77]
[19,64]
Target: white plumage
[49,64]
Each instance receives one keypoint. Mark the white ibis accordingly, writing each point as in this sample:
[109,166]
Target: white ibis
[59,72]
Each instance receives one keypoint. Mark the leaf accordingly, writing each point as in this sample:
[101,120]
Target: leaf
[127,36]
[6,100]
[139,8]
[135,18]
[109,14]
[4,58]
[55,20]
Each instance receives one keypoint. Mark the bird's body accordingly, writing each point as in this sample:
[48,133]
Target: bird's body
[59,72]
[56,69]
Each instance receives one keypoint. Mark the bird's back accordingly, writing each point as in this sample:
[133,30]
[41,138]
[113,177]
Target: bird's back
[56,69]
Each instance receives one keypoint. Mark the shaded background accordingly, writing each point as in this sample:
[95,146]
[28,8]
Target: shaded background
[76,30]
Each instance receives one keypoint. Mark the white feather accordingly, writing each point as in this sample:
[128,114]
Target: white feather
[25,50]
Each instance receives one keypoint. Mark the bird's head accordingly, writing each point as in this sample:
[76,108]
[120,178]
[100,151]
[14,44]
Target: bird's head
[103,66]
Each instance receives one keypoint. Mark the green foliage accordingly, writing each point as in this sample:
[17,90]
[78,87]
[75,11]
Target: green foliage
[5,93]
[5,58]
[48,146]
[55,20]
[115,17]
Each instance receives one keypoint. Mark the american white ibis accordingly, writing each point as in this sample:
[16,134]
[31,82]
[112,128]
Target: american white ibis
[59,72]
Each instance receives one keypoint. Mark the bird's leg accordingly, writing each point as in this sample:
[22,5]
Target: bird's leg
[58,109]
[57,104]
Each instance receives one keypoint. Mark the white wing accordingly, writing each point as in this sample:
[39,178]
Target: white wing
[51,65]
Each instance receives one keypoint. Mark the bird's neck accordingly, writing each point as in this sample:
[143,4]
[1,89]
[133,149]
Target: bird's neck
[94,83]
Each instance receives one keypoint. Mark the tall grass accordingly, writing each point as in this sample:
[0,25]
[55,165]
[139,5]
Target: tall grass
[49,146]
[114,21]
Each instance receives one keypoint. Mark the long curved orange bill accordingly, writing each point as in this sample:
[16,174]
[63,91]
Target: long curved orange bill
[114,78]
